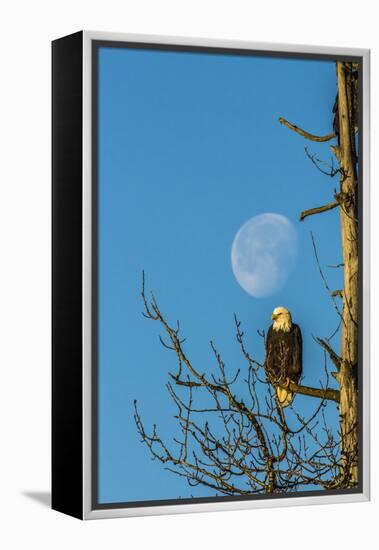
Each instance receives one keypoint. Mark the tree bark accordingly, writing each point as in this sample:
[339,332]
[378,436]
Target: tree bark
[349,234]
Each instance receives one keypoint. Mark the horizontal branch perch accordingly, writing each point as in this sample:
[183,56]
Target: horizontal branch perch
[326,393]
[305,134]
[318,210]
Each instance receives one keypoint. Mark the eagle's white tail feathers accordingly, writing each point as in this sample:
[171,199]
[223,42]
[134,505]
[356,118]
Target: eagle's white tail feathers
[284,396]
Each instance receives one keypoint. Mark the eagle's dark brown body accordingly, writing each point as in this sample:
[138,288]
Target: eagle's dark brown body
[284,354]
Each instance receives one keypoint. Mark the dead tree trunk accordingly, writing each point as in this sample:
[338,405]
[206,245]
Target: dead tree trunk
[349,233]
[346,110]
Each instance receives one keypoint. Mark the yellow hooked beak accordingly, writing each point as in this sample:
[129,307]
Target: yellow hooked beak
[274,316]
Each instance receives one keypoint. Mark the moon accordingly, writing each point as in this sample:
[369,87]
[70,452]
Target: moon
[264,253]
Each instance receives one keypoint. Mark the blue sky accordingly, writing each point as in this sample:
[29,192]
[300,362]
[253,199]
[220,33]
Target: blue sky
[190,148]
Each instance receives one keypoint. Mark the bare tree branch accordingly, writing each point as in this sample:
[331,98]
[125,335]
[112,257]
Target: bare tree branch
[305,134]
[335,358]
[331,170]
[318,210]
[327,393]
[261,448]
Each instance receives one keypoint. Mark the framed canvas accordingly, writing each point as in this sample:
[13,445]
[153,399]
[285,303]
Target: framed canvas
[210,275]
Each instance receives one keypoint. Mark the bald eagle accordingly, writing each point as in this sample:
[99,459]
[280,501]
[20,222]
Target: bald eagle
[283,362]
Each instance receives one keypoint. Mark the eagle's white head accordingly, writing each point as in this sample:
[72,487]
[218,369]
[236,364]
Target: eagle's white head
[282,319]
